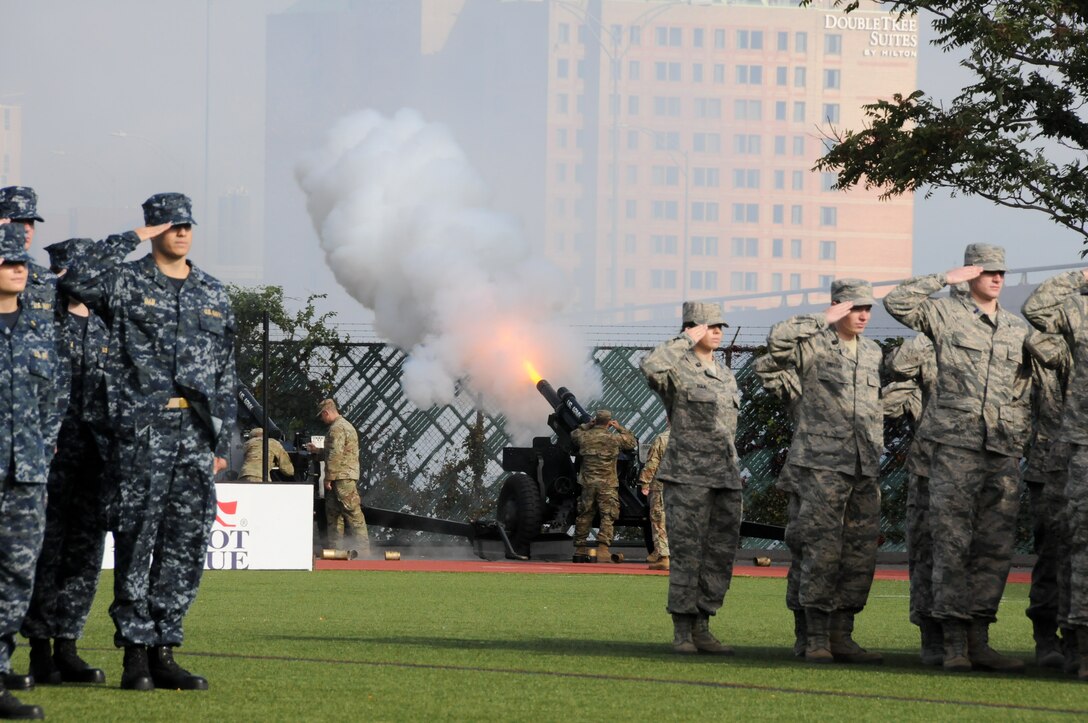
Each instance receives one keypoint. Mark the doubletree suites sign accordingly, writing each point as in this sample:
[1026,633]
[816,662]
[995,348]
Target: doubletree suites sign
[889,36]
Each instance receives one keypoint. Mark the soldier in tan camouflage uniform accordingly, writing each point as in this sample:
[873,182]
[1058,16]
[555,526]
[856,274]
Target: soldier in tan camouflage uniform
[599,449]
[915,363]
[652,488]
[1045,475]
[977,425]
[831,472]
[342,504]
[277,457]
[700,474]
[1060,306]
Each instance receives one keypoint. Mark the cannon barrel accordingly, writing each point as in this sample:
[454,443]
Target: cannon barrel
[566,405]
[248,405]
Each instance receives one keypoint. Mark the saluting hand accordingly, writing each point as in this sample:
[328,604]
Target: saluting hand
[146,232]
[963,273]
[837,311]
[697,332]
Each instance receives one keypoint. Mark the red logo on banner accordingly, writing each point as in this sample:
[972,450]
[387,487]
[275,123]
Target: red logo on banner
[226,508]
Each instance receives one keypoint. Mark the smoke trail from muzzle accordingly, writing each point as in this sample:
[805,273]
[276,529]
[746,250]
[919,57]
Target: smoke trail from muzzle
[404,223]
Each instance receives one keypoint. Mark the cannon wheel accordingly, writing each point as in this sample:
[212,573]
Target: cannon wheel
[520,510]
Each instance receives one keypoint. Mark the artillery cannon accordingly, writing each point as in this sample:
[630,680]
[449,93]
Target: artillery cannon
[538,501]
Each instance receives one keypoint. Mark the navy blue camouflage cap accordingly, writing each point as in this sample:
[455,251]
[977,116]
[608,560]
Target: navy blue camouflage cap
[859,291]
[19,203]
[62,252]
[13,243]
[172,208]
[988,256]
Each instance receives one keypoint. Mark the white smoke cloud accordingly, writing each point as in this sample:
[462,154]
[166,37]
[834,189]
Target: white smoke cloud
[404,223]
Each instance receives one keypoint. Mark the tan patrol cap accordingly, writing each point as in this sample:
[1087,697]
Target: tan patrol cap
[859,291]
[324,404]
[256,432]
[701,312]
[603,415]
[989,257]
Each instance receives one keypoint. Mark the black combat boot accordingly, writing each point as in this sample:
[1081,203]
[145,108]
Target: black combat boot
[681,638]
[817,636]
[1069,650]
[41,663]
[11,708]
[800,637]
[136,675]
[72,668]
[14,681]
[168,674]
[1048,652]
[932,641]
[1082,645]
[843,647]
[704,640]
[982,656]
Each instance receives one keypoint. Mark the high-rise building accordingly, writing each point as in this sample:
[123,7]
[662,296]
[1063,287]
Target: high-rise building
[654,150]
[11,143]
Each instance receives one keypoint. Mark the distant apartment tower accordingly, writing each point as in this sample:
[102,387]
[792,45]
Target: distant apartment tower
[681,142]
[654,150]
[11,143]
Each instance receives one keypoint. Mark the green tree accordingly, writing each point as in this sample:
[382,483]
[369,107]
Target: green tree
[1017,135]
[304,356]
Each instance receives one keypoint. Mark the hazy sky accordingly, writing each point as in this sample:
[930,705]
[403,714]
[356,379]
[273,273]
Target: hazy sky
[118,97]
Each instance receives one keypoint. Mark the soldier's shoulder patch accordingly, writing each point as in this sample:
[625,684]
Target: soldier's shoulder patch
[39,354]
[149,301]
[105,350]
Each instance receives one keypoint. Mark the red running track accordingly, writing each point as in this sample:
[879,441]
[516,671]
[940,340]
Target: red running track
[570,568]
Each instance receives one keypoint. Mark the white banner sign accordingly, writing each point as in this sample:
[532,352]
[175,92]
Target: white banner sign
[257,527]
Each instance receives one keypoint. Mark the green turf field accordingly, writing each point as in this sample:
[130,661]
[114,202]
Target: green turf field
[346,646]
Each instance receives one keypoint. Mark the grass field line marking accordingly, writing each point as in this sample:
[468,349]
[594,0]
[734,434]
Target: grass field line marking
[660,681]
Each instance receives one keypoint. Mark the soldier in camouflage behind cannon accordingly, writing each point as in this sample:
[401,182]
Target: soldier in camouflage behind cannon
[599,443]
[655,494]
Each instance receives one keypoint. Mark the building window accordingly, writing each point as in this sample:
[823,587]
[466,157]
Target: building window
[562,68]
[798,180]
[800,42]
[707,177]
[831,112]
[704,245]
[719,38]
[799,111]
[636,35]
[634,70]
[564,33]
[669,37]
[798,145]
[704,211]
[783,41]
[708,108]
[666,141]
[744,281]
[778,213]
[561,137]
[696,280]
[631,209]
[827,181]
[706,143]
[795,281]
[749,75]
[776,248]
[663,244]
[697,73]
[663,279]
[800,76]
[779,180]
[747,109]
[832,79]
[829,216]
[697,37]
[747,144]
[746,212]
[666,210]
[795,248]
[632,175]
[667,106]
[710,280]
[562,103]
[630,244]
[833,44]
[796,215]
[781,75]
[665,176]
[780,110]
[746,178]
[632,140]
[719,73]
[776,282]
[825,281]
[827,250]
[560,172]
[628,278]
[780,145]
[632,105]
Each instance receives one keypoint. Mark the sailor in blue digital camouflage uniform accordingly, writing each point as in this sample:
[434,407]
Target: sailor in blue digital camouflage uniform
[20,204]
[71,558]
[171,398]
[29,421]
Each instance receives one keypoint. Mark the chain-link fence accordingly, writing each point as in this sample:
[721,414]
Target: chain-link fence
[446,461]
